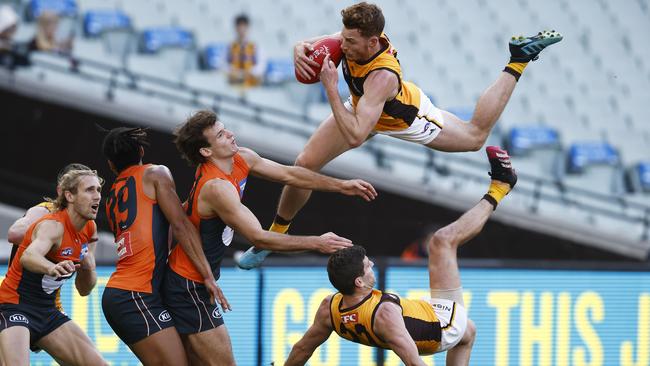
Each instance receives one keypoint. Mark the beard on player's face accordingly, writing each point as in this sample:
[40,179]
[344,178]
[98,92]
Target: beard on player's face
[355,46]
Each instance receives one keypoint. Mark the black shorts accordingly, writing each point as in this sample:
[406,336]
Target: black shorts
[40,320]
[189,304]
[134,315]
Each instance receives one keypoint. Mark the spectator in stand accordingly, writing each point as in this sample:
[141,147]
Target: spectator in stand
[244,57]
[8,26]
[46,35]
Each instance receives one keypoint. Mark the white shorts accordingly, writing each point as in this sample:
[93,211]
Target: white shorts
[453,322]
[422,130]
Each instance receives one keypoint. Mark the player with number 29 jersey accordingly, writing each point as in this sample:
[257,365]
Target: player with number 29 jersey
[141,234]
[131,302]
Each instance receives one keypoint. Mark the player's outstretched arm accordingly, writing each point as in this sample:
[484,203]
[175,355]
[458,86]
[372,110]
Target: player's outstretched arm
[316,335]
[355,126]
[389,325]
[224,201]
[304,178]
[18,229]
[188,237]
[48,234]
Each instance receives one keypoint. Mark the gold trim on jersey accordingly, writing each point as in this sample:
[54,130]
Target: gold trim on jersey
[432,120]
[399,112]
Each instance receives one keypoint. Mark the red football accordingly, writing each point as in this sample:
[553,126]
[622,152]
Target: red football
[322,48]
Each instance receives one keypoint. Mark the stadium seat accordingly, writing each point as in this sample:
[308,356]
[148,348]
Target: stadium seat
[639,178]
[278,71]
[214,56]
[96,22]
[63,8]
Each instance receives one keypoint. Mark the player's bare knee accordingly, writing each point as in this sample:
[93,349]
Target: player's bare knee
[303,160]
[477,136]
[478,141]
[442,239]
[470,333]
[355,142]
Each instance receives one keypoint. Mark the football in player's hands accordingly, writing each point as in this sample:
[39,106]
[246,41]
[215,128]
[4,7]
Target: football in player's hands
[329,45]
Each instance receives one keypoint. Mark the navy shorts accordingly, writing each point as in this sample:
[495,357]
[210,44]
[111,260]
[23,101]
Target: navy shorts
[40,320]
[189,304]
[134,315]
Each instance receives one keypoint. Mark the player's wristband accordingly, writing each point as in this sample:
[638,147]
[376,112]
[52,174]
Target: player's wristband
[491,201]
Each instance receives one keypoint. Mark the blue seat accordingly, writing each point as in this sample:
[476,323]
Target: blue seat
[152,40]
[278,71]
[639,176]
[96,22]
[523,139]
[214,56]
[63,8]
[644,175]
[584,154]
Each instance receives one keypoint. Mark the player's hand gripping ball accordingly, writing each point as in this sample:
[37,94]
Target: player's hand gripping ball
[322,48]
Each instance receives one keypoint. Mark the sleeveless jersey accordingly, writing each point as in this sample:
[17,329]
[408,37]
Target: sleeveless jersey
[23,286]
[356,323]
[215,234]
[87,235]
[141,233]
[398,113]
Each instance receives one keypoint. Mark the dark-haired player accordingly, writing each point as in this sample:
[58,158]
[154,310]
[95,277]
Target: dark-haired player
[52,251]
[214,207]
[362,314]
[382,102]
[141,206]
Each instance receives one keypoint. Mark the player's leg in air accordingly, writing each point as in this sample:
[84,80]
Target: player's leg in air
[460,136]
[444,277]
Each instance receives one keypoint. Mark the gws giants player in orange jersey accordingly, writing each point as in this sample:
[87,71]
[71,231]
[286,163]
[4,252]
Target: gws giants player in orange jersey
[215,208]
[53,249]
[141,206]
[17,230]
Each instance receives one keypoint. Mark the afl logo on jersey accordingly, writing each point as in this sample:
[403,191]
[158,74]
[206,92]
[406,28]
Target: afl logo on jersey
[66,252]
[18,318]
[164,316]
[216,313]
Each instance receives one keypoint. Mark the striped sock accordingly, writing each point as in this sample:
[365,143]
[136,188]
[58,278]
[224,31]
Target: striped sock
[280,225]
[496,192]
[515,69]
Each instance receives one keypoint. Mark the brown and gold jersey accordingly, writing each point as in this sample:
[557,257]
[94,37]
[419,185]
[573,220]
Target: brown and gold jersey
[398,113]
[356,323]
